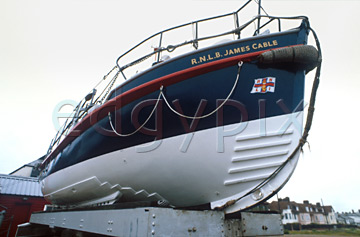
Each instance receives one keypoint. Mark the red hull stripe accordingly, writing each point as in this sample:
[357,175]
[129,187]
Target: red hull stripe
[145,89]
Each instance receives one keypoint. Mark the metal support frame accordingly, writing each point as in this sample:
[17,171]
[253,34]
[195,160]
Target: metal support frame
[150,221]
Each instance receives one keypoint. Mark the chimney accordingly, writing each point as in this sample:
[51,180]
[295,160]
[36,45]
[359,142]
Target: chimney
[318,204]
[306,202]
[287,199]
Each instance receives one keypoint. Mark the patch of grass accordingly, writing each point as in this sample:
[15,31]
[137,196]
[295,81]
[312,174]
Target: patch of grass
[332,232]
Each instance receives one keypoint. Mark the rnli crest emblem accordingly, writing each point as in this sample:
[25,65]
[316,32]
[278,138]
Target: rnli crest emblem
[264,85]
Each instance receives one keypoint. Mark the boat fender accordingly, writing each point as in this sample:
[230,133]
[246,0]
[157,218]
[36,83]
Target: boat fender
[305,56]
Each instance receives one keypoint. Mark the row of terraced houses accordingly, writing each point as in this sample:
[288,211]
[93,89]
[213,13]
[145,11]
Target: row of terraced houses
[303,213]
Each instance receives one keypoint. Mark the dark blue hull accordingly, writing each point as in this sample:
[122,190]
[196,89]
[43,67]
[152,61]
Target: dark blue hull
[196,95]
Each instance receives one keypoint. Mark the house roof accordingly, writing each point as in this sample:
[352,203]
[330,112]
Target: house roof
[305,207]
[328,209]
[34,164]
[16,185]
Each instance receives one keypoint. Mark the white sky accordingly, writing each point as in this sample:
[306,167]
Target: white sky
[53,50]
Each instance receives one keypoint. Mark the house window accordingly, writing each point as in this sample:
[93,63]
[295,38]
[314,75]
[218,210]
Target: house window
[302,218]
[307,209]
[286,216]
[297,208]
[311,209]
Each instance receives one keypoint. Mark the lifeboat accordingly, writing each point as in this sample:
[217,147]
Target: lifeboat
[211,125]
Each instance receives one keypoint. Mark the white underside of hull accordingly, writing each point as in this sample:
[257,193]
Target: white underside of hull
[213,166]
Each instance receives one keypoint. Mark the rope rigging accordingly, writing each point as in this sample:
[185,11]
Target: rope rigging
[161,94]
[140,127]
[215,110]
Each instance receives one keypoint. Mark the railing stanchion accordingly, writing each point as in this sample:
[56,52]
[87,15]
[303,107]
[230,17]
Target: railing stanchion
[159,51]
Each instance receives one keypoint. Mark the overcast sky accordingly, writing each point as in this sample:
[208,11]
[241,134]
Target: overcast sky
[52,51]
